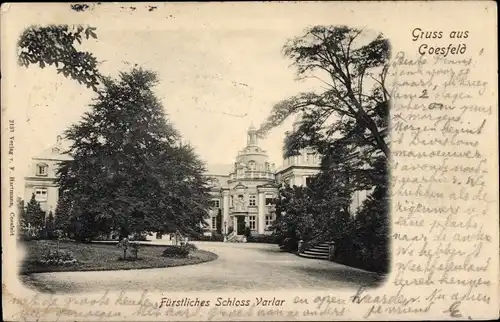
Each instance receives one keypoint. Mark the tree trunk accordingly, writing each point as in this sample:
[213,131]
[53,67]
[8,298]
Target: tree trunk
[364,118]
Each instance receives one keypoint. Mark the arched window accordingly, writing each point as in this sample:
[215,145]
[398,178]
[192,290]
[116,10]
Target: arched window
[251,165]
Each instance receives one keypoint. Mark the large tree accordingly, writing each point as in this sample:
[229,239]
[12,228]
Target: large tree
[129,170]
[346,120]
[353,99]
[62,220]
[295,216]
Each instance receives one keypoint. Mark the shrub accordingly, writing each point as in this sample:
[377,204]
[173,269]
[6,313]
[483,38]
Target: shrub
[124,244]
[176,251]
[27,237]
[57,258]
[266,239]
[134,249]
[217,237]
[290,244]
[366,246]
[190,247]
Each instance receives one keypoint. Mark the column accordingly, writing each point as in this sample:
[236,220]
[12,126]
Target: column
[235,224]
[225,210]
[261,222]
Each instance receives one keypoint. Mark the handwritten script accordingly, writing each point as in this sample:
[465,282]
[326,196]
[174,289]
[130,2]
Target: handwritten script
[441,128]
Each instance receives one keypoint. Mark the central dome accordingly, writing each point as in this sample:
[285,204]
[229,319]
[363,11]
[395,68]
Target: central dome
[253,161]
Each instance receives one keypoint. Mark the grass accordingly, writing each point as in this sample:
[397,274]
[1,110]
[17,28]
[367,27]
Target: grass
[105,257]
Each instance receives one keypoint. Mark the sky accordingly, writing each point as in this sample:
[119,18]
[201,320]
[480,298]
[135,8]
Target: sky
[218,72]
[213,85]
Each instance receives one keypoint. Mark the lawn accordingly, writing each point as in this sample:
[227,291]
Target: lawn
[98,257]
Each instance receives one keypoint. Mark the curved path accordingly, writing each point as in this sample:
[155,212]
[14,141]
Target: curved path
[239,267]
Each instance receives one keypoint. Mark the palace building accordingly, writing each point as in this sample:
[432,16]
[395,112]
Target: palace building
[41,176]
[242,192]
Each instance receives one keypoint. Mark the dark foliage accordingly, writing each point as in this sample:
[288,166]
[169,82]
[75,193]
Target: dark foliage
[55,45]
[190,247]
[63,217]
[353,145]
[34,217]
[175,251]
[126,142]
[264,239]
[366,246]
[353,73]
[49,226]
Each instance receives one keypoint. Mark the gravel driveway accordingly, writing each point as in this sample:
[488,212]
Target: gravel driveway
[239,267]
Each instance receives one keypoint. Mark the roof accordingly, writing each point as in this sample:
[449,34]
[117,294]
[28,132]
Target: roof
[54,152]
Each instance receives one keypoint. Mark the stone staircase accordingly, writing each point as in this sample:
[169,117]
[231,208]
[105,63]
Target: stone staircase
[319,251]
[233,238]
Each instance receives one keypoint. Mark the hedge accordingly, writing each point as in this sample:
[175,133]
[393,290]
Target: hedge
[265,239]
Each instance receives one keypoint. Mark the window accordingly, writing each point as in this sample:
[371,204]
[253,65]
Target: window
[41,169]
[214,223]
[269,220]
[308,181]
[251,222]
[251,165]
[269,200]
[41,194]
[231,201]
[252,200]
[215,203]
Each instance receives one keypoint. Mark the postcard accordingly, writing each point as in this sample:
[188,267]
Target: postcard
[250,161]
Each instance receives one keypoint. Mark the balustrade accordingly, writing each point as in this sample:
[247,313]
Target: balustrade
[252,174]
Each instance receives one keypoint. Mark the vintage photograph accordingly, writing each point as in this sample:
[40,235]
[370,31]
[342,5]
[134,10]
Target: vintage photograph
[190,159]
